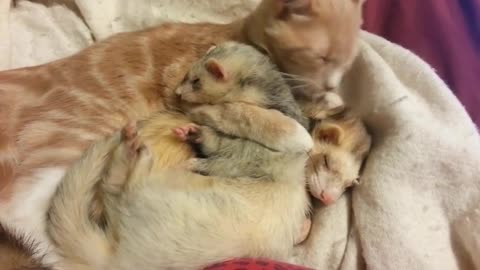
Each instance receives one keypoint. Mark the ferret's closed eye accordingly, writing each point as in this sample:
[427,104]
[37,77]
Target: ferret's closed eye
[325,162]
[196,84]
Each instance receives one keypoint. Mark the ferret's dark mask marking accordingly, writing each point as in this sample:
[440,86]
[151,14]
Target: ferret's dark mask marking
[196,84]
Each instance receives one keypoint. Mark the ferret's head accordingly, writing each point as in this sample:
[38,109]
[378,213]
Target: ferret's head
[340,147]
[316,39]
[230,72]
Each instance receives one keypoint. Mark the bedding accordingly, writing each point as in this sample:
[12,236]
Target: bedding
[445,33]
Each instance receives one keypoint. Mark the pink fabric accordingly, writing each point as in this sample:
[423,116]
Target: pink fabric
[445,33]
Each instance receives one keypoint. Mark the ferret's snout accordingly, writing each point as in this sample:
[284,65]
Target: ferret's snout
[326,198]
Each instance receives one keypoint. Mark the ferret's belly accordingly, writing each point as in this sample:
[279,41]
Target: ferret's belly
[187,230]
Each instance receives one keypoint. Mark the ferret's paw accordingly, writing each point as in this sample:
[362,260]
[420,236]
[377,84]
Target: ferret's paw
[189,133]
[299,140]
[307,225]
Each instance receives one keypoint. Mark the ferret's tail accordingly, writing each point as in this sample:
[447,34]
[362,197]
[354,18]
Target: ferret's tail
[80,240]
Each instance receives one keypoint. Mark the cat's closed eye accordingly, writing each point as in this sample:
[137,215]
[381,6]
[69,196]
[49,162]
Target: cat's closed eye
[185,79]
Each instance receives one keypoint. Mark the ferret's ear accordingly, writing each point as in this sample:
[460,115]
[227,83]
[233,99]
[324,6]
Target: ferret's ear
[331,133]
[216,69]
[284,9]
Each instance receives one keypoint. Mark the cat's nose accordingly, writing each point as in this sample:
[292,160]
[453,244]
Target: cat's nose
[326,198]
[178,91]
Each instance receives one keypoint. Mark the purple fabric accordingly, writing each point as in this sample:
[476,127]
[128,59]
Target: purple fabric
[445,33]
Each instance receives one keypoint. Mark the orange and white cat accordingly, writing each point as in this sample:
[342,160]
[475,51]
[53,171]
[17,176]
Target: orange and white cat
[49,114]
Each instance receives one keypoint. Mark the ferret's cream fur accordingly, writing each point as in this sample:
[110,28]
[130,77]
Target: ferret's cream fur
[174,219]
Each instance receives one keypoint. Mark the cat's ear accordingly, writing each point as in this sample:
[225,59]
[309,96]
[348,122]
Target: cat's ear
[330,133]
[216,70]
[286,8]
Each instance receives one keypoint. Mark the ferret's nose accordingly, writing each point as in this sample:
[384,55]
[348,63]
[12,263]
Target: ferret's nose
[326,198]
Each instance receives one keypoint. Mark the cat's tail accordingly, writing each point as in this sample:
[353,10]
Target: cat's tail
[80,241]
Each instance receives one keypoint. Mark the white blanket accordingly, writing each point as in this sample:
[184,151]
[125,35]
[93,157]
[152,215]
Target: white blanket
[418,205]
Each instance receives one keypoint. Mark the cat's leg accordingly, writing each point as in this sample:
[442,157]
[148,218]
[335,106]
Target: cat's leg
[267,127]
[322,106]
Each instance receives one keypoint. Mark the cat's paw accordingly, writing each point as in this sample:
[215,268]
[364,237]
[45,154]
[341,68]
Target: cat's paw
[325,105]
[188,133]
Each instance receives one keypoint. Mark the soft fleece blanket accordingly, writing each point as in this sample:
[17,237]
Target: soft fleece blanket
[444,33]
[418,205]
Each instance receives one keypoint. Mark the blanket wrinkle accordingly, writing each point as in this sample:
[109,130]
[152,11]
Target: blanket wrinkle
[418,204]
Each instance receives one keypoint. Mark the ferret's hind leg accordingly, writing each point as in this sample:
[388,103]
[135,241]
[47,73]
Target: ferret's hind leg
[302,236]
[123,160]
[206,138]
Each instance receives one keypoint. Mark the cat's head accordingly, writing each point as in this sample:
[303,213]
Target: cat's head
[316,39]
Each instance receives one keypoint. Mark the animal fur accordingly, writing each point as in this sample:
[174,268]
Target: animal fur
[175,219]
[49,114]
[18,252]
[52,112]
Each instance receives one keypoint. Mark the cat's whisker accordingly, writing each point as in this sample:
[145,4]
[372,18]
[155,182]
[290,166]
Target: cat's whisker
[298,87]
[296,78]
